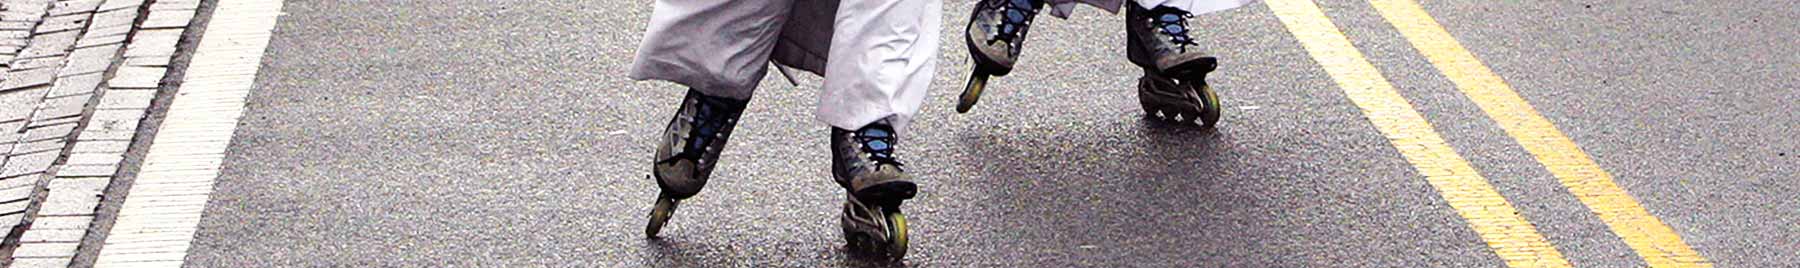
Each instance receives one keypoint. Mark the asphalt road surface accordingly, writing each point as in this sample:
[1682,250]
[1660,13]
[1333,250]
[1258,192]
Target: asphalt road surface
[505,133]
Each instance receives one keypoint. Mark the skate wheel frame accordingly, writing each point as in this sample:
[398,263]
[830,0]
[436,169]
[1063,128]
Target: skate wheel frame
[1206,115]
[890,245]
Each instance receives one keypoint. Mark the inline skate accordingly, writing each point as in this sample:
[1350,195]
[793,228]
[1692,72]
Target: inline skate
[1173,87]
[875,183]
[689,150]
[995,36]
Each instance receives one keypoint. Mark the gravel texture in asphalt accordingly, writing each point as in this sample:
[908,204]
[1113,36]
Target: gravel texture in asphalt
[504,133]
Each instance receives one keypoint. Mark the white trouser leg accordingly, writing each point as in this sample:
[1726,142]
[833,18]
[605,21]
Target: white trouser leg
[882,59]
[1194,6]
[1062,8]
[720,48]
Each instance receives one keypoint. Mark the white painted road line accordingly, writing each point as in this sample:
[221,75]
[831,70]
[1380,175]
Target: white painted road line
[156,224]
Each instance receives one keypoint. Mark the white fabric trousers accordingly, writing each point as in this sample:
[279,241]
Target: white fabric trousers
[881,58]
[1061,8]
[1194,6]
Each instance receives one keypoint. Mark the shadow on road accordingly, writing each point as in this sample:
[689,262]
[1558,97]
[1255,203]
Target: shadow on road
[1103,192]
[675,253]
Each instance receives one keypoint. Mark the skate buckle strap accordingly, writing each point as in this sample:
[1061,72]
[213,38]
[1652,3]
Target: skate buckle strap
[1173,22]
[878,142]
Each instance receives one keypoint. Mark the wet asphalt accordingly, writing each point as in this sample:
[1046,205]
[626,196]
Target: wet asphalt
[505,133]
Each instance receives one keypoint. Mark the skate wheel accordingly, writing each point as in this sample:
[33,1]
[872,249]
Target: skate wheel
[1211,110]
[897,234]
[665,208]
[972,93]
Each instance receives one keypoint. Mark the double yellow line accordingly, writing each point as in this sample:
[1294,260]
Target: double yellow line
[1507,233]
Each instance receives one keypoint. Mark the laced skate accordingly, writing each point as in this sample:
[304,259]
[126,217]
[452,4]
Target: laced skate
[1173,87]
[689,150]
[996,37]
[876,183]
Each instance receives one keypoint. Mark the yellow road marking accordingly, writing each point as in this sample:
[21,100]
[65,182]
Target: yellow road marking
[1653,240]
[1511,237]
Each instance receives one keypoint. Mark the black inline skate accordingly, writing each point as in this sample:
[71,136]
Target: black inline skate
[689,150]
[1173,87]
[996,36]
[863,162]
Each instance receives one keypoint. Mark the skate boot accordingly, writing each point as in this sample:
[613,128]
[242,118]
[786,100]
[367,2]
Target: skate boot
[1173,87]
[996,36]
[689,150]
[863,163]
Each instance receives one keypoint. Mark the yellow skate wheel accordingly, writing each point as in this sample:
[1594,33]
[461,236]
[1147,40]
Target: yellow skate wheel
[972,93]
[897,234]
[1209,115]
[665,207]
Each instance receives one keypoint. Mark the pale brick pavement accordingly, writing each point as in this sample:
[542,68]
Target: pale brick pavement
[78,77]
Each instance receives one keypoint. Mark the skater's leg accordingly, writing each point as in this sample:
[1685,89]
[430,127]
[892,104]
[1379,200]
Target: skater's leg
[719,49]
[1159,36]
[688,150]
[882,57]
[1194,6]
[996,34]
[997,28]
[1062,8]
[865,163]
[995,37]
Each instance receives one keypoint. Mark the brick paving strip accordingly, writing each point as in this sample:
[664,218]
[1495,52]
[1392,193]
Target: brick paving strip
[161,212]
[78,77]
